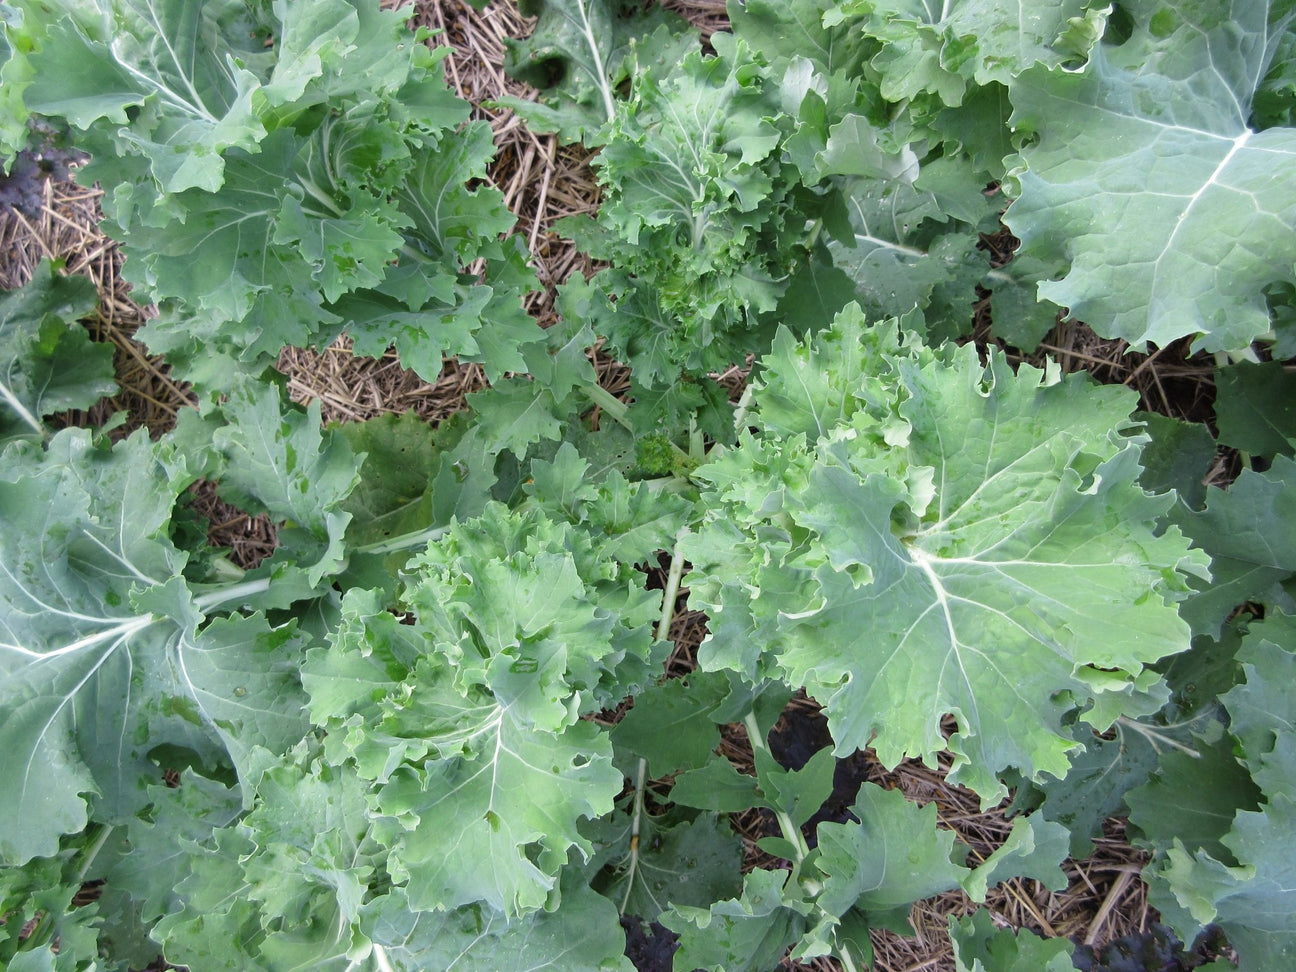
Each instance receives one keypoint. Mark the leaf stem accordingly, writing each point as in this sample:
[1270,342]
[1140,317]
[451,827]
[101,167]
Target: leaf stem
[791,832]
[226,595]
[600,71]
[636,815]
[1153,736]
[605,400]
[744,403]
[812,235]
[23,412]
[418,256]
[847,960]
[380,956]
[641,776]
[93,850]
[697,442]
[404,541]
[321,197]
[673,578]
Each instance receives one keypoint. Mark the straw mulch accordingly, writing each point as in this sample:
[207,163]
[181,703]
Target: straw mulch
[543,181]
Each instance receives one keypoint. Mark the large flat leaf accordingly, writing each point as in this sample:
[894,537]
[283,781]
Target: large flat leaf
[916,246]
[1173,213]
[583,935]
[952,539]
[165,62]
[666,860]
[265,250]
[514,791]
[101,648]
[1262,711]
[282,887]
[751,931]
[1255,407]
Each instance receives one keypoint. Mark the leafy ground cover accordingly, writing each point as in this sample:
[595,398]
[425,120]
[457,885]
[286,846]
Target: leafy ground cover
[940,622]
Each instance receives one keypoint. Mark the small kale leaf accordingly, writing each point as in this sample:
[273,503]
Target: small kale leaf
[47,361]
[582,54]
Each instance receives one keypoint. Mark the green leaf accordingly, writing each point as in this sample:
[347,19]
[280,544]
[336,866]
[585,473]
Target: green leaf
[1192,799]
[264,250]
[1094,788]
[1255,407]
[108,654]
[915,246]
[632,521]
[283,887]
[941,533]
[816,293]
[581,53]
[1172,213]
[91,532]
[972,41]
[468,717]
[856,148]
[156,854]
[1246,530]
[1035,849]
[698,247]
[1252,902]
[980,946]
[717,786]
[518,412]
[670,724]
[47,361]
[1179,457]
[515,792]
[287,171]
[1199,676]
[749,932]
[215,923]
[1275,99]
[893,857]
[428,306]
[796,29]
[530,609]
[581,936]
[165,62]
[43,931]
[393,495]
[690,862]
[279,462]
[889,260]
[1239,877]
[798,793]
[1261,712]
